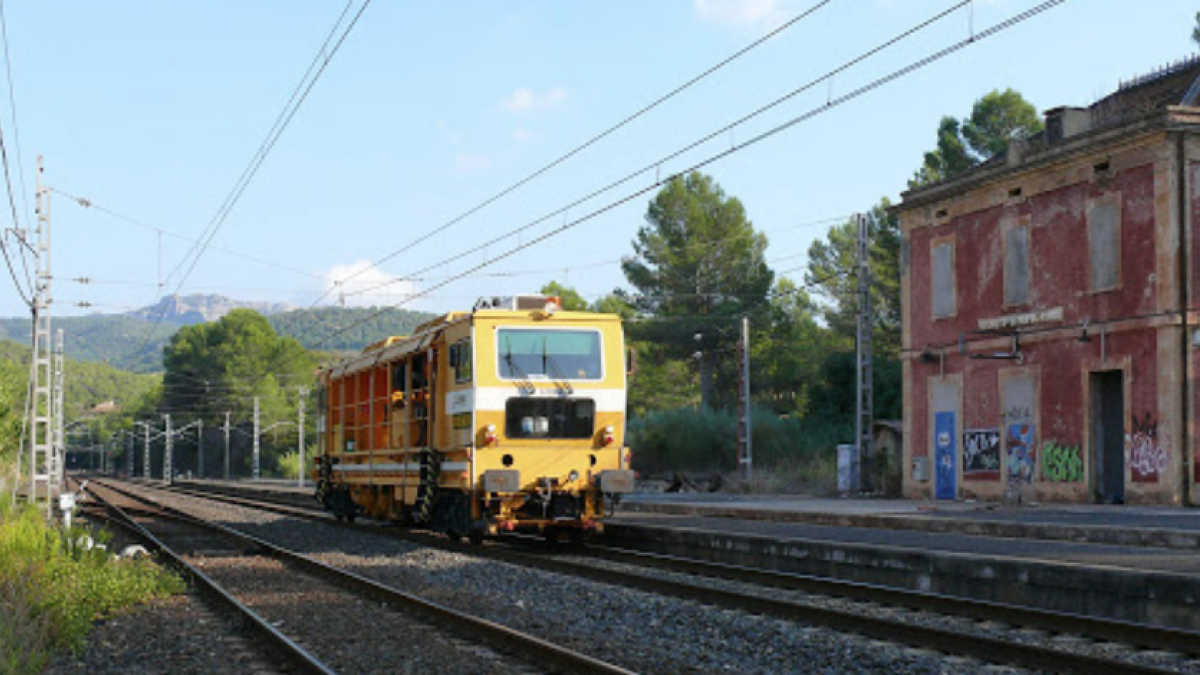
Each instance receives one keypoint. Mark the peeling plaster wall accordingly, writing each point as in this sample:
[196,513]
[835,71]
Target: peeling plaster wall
[1139,336]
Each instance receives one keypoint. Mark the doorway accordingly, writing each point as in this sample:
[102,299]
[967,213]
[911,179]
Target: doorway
[1108,434]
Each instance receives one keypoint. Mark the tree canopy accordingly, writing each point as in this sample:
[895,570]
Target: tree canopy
[832,271]
[698,266]
[996,119]
[212,367]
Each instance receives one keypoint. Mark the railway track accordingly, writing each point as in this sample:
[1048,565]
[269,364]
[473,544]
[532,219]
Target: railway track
[745,592]
[327,620]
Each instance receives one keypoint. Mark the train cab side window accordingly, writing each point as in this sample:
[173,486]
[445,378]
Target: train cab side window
[463,363]
[419,380]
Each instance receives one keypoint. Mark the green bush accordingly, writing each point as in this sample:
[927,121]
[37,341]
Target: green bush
[52,591]
[289,465]
[704,440]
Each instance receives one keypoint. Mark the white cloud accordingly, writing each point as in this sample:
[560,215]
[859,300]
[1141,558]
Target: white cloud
[767,14]
[525,100]
[361,284]
[468,161]
[522,135]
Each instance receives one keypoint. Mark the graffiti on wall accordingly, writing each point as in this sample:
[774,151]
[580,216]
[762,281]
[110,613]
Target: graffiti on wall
[1061,463]
[981,454]
[1017,413]
[1149,456]
[943,425]
[1021,454]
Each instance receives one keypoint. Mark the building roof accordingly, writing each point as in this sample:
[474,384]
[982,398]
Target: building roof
[1173,84]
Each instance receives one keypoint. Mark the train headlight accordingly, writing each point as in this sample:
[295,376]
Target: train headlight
[573,476]
[608,435]
[489,435]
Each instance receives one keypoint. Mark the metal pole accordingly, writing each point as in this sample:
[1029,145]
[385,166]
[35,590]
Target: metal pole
[864,415]
[129,459]
[146,453]
[255,471]
[58,457]
[41,423]
[747,458]
[200,448]
[300,435]
[168,450]
[226,446]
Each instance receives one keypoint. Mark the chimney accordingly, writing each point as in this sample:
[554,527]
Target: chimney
[1065,122]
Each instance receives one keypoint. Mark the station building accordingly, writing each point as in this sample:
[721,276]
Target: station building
[1049,299]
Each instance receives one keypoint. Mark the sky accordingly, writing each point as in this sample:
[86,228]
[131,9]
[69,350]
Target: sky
[150,111]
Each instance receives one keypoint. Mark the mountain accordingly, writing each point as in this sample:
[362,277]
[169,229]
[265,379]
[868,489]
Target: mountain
[189,309]
[125,340]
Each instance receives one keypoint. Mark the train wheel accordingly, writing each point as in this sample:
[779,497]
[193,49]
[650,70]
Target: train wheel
[476,538]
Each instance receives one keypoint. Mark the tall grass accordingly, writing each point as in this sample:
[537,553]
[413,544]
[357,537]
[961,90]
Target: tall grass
[289,465]
[52,591]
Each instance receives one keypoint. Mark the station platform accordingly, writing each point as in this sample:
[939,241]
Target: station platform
[1135,563]
[1133,526]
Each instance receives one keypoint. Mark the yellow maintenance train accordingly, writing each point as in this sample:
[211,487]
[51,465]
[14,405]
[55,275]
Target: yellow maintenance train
[509,417]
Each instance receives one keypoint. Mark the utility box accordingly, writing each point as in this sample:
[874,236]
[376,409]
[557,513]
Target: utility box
[848,468]
[920,469]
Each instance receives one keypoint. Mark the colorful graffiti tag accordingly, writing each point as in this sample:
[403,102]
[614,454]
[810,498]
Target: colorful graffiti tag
[981,454]
[1061,463]
[1021,454]
[943,424]
[1148,456]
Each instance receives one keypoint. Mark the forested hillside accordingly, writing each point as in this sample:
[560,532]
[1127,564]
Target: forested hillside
[120,340]
[345,328]
[87,384]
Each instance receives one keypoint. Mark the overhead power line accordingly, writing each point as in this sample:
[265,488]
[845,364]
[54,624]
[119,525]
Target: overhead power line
[655,165]
[594,139]
[12,103]
[89,204]
[831,104]
[299,95]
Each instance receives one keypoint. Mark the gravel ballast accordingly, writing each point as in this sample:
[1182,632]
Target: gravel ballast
[640,631]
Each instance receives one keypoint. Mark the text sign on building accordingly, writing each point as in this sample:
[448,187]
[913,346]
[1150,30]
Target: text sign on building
[1019,320]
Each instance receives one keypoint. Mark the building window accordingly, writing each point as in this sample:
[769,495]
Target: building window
[943,278]
[1104,243]
[1016,265]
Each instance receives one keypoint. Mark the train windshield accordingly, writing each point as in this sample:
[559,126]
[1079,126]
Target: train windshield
[549,354]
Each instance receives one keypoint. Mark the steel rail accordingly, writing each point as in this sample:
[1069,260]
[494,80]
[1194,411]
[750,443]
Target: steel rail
[295,654]
[533,649]
[984,648]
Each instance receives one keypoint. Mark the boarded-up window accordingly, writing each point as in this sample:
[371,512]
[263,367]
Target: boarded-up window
[1016,265]
[943,278]
[1104,240]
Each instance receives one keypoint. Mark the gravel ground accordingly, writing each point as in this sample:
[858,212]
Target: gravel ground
[640,631]
[346,632]
[177,636]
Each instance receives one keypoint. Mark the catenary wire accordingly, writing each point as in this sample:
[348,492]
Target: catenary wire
[12,101]
[89,204]
[829,105]
[597,138]
[256,162]
[652,166]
